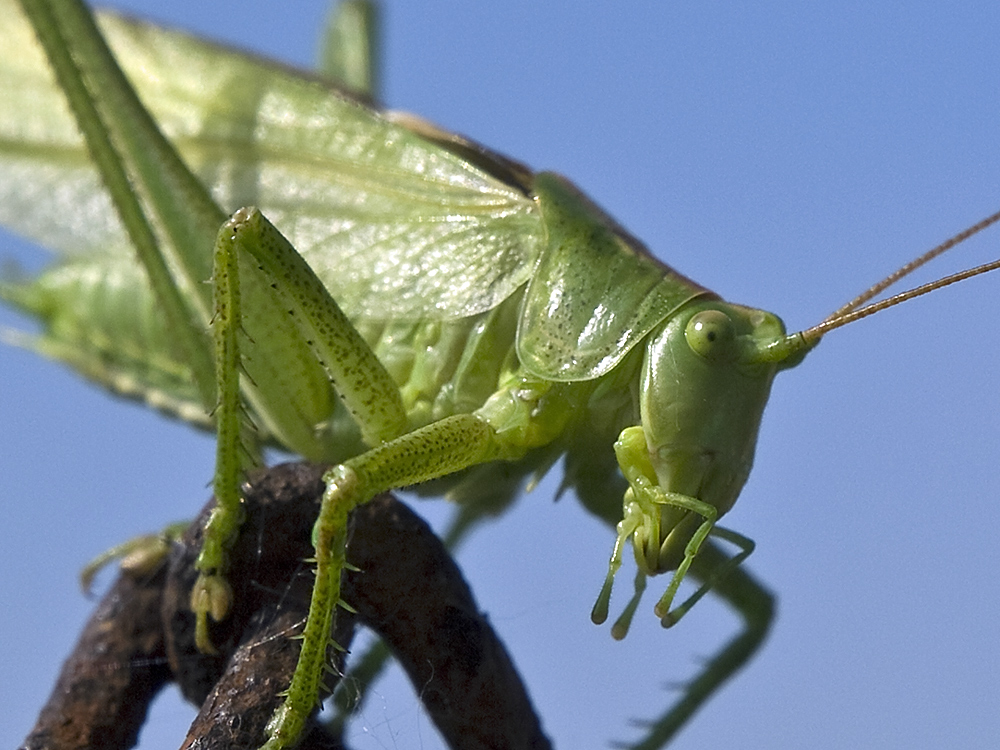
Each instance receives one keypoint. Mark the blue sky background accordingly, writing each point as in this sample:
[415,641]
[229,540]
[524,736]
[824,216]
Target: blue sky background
[785,155]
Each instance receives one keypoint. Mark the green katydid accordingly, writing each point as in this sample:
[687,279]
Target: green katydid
[552,191]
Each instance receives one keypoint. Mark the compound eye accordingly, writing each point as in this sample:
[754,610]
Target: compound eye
[711,334]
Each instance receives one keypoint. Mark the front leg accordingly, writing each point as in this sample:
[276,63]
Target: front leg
[708,564]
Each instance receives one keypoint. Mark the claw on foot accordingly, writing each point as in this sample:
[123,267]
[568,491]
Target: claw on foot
[212,597]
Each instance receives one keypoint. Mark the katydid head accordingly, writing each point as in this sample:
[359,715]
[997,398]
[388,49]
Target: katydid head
[702,394]
[706,377]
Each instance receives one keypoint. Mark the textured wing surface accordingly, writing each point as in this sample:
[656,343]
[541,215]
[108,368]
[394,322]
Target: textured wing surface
[396,224]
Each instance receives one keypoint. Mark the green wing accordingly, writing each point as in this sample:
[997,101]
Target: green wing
[398,219]
[396,224]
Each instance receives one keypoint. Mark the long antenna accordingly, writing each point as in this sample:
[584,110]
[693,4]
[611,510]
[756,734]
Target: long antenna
[853,310]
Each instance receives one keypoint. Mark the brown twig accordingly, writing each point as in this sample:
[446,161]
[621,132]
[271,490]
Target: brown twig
[407,589]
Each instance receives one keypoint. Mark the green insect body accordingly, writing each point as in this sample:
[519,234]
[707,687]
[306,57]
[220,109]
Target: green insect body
[429,311]
[432,344]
